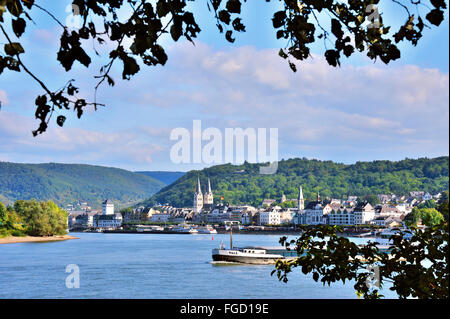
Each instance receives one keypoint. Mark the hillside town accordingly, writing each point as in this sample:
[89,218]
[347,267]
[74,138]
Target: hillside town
[390,212]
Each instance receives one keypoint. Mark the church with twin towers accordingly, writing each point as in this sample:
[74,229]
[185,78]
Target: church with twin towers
[201,200]
[206,200]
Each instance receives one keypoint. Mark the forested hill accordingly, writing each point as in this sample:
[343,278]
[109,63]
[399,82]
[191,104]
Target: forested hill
[70,183]
[243,184]
[166,177]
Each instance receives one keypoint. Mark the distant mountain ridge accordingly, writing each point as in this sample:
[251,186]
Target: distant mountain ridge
[242,184]
[70,183]
[166,177]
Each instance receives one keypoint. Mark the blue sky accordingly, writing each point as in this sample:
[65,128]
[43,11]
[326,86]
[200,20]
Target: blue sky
[362,111]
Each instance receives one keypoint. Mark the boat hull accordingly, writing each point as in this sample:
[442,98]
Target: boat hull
[243,258]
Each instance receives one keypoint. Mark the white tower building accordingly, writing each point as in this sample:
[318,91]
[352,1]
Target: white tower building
[301,201]
[208,198]
[198,198]
[108,207]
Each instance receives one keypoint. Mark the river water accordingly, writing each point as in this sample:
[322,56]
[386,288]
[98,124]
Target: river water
[150,266]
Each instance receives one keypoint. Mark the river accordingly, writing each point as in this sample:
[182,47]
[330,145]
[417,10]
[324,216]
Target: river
[150,266]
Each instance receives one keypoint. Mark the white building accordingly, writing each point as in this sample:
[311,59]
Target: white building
[84,220]
[208,198]
[108,221]
[203,200]
[364,213]
[269,218]
[160,218]
[198,198]
[286,216]
[341,217]
[301,200]
[316,213]
[108,207]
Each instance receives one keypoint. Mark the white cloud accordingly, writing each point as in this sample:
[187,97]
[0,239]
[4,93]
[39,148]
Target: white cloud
[74,145]
[346,114]
[3,98]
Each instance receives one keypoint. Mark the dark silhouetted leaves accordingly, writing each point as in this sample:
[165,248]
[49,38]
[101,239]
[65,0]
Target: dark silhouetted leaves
[60,120]
[296,23]
[228,36]
[18,26]
[332,57]
[278,19]
[224,16]
[234,6]
[336,28]
[435,16]
[71,50]
[13,49]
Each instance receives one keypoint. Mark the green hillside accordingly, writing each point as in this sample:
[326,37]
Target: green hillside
[243,183]
[166,177]
[70,183]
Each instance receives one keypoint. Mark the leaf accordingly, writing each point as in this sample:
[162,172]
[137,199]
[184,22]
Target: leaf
[336,28]
[60,120]
[332,57]
[316,276]
[233,6]
[280,34]
[28,3]
[278,19]
[282,54]
[14,7]
[176,29]
[18,26]
[435,16]
[292,66]
[110,80]
[14,48]
[224,16]
[228,36]
[237,25]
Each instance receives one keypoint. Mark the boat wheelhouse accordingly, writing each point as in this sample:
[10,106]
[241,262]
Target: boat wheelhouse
[257,255]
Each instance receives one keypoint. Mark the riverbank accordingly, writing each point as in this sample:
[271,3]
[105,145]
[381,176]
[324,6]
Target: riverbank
[33,239]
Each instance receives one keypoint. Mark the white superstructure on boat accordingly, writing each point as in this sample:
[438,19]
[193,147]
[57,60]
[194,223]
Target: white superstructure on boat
[148,228]
[208,229]
[251,255]
[184,229]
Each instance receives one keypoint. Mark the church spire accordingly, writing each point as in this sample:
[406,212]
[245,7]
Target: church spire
[199,190]
[301,201]
[208,198]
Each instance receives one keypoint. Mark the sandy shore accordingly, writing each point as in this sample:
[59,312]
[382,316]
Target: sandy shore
[31,239]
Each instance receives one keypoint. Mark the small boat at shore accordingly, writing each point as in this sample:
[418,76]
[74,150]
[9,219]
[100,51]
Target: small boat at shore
[208,229]
[184,229]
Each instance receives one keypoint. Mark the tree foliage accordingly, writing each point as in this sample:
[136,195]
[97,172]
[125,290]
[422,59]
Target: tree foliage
[351,26]
[242,184]
[428,216]
[412,268]
[71,183]
[32,218]
[41,218]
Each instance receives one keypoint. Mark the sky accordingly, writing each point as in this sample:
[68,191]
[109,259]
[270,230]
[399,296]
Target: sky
[361,111]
